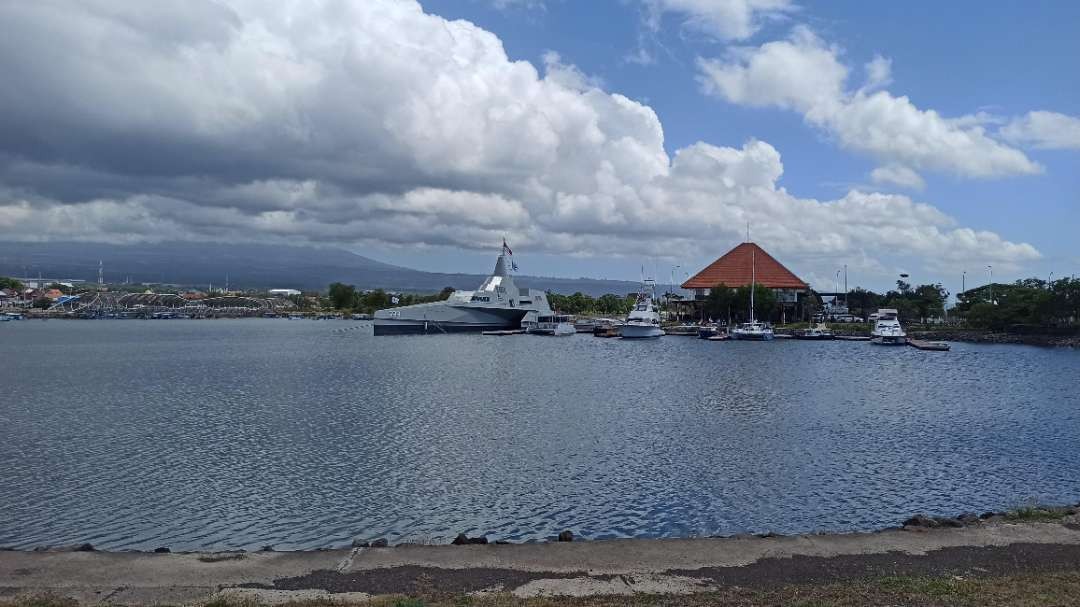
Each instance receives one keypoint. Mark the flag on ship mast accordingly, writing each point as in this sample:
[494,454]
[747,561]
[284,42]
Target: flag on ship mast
[506,248]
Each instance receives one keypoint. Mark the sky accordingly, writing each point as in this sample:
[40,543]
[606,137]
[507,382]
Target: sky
[598,138]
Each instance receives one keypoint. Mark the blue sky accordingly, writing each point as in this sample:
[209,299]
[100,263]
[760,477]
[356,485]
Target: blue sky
[955,57]
[596,136]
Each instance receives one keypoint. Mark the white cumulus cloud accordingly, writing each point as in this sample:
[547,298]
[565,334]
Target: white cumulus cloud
[804,74]
[376,123]
[898,175]
[722,19]
[1044,130]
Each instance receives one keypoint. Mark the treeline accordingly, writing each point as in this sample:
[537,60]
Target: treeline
[345,297]
[10,283]
[1030,302]
[584,305]
[919,303]
[733,304]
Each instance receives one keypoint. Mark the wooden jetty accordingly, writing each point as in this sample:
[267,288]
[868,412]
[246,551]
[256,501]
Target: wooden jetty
[852,337]
[935,346]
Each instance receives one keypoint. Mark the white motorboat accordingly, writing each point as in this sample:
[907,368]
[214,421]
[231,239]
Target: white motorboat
[754,330]
[887,330]
[553,324]
[643,322]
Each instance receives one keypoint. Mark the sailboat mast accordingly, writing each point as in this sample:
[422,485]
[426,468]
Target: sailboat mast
[753,280]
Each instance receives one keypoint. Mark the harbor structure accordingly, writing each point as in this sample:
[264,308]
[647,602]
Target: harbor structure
[742,266]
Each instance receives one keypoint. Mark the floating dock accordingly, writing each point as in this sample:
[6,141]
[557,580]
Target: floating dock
[505,332]
[935,346]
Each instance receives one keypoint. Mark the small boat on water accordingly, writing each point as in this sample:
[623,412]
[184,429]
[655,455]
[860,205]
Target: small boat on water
[553,324]
[887,330]
[707,331]
[643,322]
[817,332]
[754,330]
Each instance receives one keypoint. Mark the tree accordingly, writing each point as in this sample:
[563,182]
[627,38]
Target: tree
[862,302]
[764,303]
[930,300]
[10,283]
[719,302]
[342,295]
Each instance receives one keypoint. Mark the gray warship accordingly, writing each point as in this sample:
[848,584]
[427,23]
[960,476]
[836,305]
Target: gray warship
[498,305]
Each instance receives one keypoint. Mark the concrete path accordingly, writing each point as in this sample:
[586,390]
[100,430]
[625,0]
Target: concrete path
[578,568]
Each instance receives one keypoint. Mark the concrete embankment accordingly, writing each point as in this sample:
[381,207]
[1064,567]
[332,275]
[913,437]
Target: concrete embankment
[619,567]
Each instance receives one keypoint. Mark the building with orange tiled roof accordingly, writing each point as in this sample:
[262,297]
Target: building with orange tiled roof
[744,263]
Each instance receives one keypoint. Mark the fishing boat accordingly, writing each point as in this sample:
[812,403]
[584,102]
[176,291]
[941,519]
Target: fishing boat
[643,322]
[754,330]
[887,330]
[553,324]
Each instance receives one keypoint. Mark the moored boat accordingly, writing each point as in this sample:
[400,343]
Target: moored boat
[754,330]
[887,330]
[817,332]
[497,305]
[553,324]
[643,322]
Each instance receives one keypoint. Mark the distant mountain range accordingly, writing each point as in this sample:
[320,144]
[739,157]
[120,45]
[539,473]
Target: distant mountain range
[251,267]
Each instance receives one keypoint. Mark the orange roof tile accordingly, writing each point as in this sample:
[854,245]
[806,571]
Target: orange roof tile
[735,267]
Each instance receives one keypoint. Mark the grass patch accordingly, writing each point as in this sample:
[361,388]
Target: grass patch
[1037,514]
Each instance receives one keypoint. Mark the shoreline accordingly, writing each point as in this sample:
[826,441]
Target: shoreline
[992,337]
[1033,540]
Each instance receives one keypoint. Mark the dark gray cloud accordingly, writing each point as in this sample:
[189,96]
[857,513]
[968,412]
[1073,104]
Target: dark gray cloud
[351,122]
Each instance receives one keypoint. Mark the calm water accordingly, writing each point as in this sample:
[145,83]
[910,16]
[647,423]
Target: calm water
[238,434]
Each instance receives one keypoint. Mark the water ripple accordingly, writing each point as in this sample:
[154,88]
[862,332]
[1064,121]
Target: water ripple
[239,434]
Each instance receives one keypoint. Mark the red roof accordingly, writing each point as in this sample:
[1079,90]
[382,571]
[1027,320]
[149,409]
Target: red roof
[734,269]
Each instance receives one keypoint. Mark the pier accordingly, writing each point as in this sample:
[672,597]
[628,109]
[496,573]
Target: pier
[933,346]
